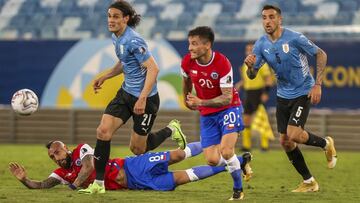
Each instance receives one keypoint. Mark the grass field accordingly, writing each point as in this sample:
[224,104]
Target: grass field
[273,180]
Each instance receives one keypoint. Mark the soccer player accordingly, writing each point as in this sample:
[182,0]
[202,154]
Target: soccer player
[256,94]
[217,100]
[148,171]
[138,96]
[285,51]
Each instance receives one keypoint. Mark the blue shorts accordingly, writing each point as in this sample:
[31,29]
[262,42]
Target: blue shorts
[149,171]
[214,126]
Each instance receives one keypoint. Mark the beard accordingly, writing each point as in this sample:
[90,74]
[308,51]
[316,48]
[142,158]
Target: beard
[68,161]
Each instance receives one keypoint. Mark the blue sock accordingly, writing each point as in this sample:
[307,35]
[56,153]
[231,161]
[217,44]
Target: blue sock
[195,148]
[236,175]
[206,171]
[240,159]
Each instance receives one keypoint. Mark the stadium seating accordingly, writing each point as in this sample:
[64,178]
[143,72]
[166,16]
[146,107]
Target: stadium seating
[233,19]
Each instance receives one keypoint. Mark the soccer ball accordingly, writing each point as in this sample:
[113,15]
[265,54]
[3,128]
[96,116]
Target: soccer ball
[24,102]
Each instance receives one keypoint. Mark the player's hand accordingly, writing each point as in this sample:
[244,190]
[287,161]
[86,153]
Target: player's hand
[18,171]
[315,94]
[140,105]
[264,97]
[250,60]
[97,84]
[192,101]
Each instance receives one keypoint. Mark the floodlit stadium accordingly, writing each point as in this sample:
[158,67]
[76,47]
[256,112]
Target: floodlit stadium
[55,53]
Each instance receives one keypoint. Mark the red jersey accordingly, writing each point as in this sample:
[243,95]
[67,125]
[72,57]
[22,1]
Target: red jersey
[68,176]
[208,79]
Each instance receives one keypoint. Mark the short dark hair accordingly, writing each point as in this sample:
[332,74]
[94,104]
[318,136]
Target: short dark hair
[204,32]
[48,145]
[127,10]
[269,6]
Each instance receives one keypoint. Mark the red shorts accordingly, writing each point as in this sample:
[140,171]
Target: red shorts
[111,172]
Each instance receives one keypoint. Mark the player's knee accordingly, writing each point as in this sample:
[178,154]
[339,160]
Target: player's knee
[212,161]
[137,150]
[293,133]
[227,153]
[287,144]
[103,133]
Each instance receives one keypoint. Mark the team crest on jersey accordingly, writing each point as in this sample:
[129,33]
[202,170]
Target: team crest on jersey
[78,162]
[194,72]
[214,75]
[285,48]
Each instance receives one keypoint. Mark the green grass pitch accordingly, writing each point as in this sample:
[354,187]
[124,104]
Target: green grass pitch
[274,178]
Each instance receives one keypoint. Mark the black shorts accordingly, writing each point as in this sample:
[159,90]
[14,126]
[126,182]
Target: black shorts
[122,107]
[252,100]
[292,112]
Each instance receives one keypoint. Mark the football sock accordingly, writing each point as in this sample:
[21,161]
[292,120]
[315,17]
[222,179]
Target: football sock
[222,161]
[201,172]
[246,139]
[101,156]
[296,158]
[315,140]
[241,160]
[234,169]
[192,149]
[309,180]
[155,139]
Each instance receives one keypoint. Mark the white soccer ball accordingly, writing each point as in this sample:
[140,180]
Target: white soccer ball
[24,102]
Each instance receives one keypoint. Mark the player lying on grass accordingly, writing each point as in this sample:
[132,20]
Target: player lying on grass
[76,169]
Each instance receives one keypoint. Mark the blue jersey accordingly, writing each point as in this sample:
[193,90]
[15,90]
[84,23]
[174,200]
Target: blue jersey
[132,51]
[149,171]
[287,57]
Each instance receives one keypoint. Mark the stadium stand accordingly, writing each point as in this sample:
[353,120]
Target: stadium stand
[75,19]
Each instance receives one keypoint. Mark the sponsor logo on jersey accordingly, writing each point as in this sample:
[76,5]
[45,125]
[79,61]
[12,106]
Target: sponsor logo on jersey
[194,72]
[78,162]
[214,75]
[229,79]
[285,48]
[142,50]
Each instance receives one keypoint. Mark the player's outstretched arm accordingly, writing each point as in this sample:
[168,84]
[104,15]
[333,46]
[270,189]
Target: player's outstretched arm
[117,69]
[20,173]
[86,169]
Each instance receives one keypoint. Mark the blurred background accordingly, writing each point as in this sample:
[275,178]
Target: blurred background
[57,47]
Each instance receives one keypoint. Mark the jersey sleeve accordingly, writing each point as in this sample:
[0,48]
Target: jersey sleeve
[305,45]
[259,58]
[265,70]
[184,67]
[140,49]
[86,150]
[59,174]
[226,79]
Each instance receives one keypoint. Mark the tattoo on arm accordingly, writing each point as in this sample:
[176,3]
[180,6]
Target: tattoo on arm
[86,169]
[222,100]
[48,183]
[321,59]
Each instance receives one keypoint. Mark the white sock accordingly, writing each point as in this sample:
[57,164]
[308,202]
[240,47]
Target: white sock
[99,182]
[309,180]
[327,144]
[187,151]
[233,164]
[222,161]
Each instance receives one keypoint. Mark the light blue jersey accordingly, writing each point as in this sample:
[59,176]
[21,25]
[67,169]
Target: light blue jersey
[132,51]
[287,57]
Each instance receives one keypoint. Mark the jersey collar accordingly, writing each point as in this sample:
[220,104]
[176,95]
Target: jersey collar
[212,59]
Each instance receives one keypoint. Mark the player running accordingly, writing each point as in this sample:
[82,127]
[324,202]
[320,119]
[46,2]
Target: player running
[76,169]
[217,100]
[285,51]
